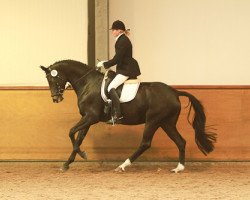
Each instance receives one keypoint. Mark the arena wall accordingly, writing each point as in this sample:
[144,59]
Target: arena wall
[35,32]
[198,46]
[192,42]
[34,128]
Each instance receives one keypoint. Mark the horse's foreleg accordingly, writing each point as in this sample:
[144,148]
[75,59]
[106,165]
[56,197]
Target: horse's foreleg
[74,130]
[82,126]
[76,149]
[79,139]
[81,135]
[145,144]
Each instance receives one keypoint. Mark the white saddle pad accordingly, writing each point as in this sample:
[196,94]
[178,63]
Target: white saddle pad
[129,90]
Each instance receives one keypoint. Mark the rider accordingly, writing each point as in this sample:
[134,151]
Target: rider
[126,66]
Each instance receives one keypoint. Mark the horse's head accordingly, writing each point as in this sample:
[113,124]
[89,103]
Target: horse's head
[57,82]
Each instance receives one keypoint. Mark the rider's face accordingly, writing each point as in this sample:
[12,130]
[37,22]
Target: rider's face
[115,32]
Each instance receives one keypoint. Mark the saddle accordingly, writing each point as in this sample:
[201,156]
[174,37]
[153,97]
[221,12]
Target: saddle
[126,91]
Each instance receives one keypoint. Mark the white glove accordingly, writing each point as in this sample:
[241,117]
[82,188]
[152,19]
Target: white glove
[100,64]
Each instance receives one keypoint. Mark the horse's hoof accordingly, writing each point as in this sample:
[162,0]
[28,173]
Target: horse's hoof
[83,154]
[64,168]
[180,167]
[120,169]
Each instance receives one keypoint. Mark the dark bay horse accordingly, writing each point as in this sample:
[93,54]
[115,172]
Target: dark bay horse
[155,105]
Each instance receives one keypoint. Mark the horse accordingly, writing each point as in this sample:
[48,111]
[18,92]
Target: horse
[156,105]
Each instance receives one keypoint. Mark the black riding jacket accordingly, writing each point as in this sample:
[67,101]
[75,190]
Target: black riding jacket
[126,64]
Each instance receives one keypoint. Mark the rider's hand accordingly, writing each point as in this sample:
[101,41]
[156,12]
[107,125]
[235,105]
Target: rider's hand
[100,64]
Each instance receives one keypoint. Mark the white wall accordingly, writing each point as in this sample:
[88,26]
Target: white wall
[194,42]
[39,32]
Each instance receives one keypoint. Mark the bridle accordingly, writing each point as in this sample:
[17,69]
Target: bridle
[59,89]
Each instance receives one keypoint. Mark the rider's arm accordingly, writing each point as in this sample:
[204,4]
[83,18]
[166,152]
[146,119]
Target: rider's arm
[121,49]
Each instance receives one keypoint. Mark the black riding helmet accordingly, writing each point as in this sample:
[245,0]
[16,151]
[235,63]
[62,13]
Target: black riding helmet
[118,25]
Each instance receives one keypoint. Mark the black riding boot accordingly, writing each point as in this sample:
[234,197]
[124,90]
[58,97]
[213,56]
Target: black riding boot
[116,108]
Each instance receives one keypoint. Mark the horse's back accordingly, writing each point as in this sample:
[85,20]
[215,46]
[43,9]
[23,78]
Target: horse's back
[154,99]
[157,89]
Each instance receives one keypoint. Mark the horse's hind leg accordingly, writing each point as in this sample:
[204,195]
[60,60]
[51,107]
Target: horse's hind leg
[173,133]
[148,134]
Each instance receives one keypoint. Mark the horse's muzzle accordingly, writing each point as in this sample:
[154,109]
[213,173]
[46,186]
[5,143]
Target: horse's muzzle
[57,98]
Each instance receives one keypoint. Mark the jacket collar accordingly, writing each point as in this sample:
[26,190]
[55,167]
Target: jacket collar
[119,36]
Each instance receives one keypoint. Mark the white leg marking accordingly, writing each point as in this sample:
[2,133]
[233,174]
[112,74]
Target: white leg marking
[180,167]
[121,168]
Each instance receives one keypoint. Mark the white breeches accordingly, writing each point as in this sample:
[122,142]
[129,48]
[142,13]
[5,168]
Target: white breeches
[117,81]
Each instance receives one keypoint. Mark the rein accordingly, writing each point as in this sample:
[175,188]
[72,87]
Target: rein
[84,75]
[59,90]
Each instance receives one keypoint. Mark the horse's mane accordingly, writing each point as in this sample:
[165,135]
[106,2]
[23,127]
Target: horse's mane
[72,63]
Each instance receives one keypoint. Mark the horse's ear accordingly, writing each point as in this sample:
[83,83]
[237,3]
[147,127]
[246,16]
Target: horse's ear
[44,68]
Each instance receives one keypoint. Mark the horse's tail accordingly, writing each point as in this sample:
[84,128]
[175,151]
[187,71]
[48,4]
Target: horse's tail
[204,140]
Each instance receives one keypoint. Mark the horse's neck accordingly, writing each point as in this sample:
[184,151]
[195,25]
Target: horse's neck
[86,82]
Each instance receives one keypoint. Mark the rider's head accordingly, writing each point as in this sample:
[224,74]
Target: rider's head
[118,27]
